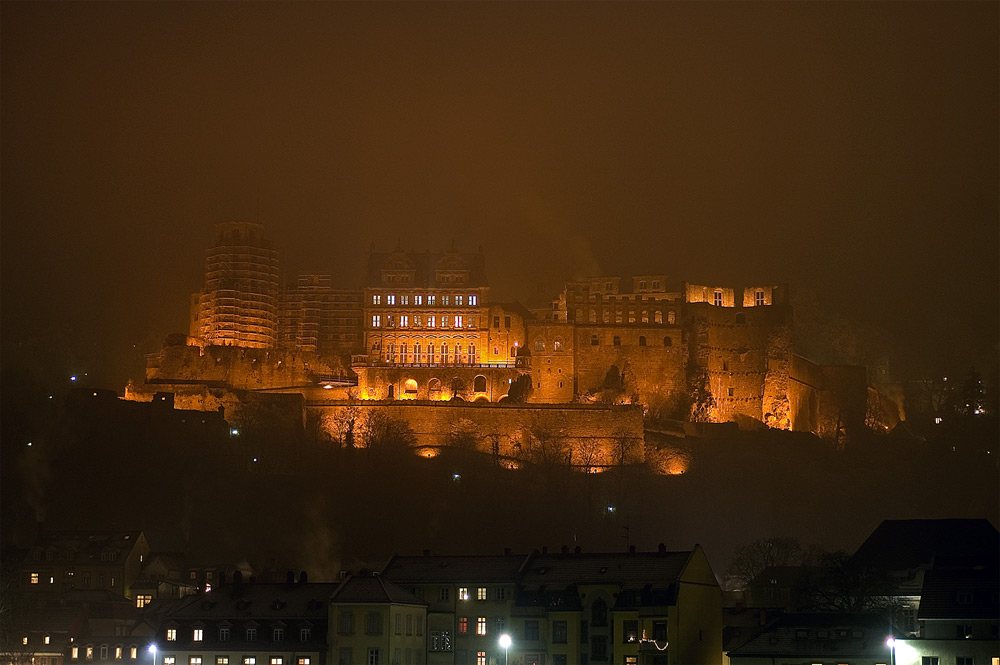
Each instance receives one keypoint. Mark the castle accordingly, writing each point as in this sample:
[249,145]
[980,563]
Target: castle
[424,329]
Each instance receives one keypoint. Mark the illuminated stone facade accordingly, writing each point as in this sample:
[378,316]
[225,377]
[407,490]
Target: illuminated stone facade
[239,303]
[315,317]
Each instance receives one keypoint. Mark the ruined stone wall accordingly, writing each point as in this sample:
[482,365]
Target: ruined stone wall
[551,345]
[582,435]
[746,353]
[656,367]
[434,383]
[829,400]
[238,367]
[282,413]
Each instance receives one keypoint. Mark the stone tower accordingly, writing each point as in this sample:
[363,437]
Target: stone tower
[238,305]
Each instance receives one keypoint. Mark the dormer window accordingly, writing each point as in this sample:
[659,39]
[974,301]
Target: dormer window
[717,298]
[758,297]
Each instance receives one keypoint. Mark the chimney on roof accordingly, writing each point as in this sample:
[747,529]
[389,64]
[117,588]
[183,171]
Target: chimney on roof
[564,549]
[576,550]
[662,549]
[545,549]
[303,577]
[427,552]
[506,551]
[289,577]
[344,574]
[631,549]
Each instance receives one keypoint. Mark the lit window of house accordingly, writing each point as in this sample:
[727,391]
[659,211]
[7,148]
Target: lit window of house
[142,601]
[249,660]
[460,300]
[463,625]
[194,660]
[431,299]
[431,321]
[376,299]
[758,297]
[473,300]
[481,593]
[480,625]
[198,635]
[169,660]
[133,652]
[74,653]
[47,639]
[480,658]
[304,661]
[404,321]
[458,321]
[171,634]
[90,652]
[222,660]
[376,320]
[34,578]
[24,640]
[118,652]
[463,593]
[445,300]
[404,299]
[717,298]
[390,299]
[277,660]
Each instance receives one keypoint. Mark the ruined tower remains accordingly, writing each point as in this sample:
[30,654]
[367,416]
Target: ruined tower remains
[239,302]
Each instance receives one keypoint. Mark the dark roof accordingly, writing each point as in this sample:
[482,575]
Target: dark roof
[635,570]
[909,544]
[256,600]
[372,589]
[829,635]
[424,265]
[86,545]
[99,603]
[960,592]
[454,569]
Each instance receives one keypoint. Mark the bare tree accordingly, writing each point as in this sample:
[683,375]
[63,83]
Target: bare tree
[750,560]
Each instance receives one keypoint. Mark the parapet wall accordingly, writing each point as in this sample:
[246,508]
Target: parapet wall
[238,367]
[587,436]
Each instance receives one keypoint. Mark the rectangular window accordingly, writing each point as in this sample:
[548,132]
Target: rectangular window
[418,300]
[404,299]
[431,321]
[279,634]
[118,652]
[458,321]
[631,660]
[506,322]
[376,320]
[929,660]
[463,625]
[222,660]
[480,658]
[531,629]
[169,660]
[481,593]
[404,321]
[717,299]
[142,601]
[398,624]
[197,634]
[409,624]
[251,634]
[501,625]
[500,593]
[305,634]
[460,300]
[480,625]
[171,634]
[344,656]
[630,631]
[133,653]
[660,631]
[304,661]
[277,660]
[444,593]
[390,299]
[90,653]
[74,653]
[431,299]
[473,300]
[376,299]
[559,632]
[445,300]
[373,656]
[463,593]
[346,622]
[965,660]
[34,578]
[249,660]
[223,634]
[194,660]
[599,647]
[373,623]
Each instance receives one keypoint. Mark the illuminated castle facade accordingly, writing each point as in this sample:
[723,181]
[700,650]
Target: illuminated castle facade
[424,328]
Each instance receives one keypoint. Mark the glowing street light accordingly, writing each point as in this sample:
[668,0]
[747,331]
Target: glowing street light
[891,643]
[505,643]
[152,650]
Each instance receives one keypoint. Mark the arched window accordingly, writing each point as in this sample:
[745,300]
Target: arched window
[410,387]
[758,297]
[667,341]
[642,340]
[472,354]
[390,353]
[416,353]
[479,384]
[402,352]
[458,353]
[671,318]
[434,385]
[430,353]
[557,345]
[599,613]
[717,298]
[444,353]
[539,345]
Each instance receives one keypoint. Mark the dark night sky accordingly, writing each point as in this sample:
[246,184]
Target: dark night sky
[850,149]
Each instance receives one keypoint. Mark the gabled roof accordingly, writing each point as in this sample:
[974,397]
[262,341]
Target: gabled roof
[632,570]
[960,592]
[454,569]
[424,265]
[372,589]
[261,601]
[85,546]
[819,635]
[909,544]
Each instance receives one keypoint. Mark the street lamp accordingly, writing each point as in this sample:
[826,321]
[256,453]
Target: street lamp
[152,650]
[891,643]
[505,643]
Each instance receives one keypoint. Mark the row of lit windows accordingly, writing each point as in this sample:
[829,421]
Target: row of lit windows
[447,300]
[35,578]
[620,316]
[277,635]
[431,356]
[482,593]
[133,652]
[431,321]
[247,660]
